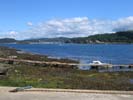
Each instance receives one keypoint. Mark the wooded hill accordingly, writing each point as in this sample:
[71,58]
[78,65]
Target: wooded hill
[118,37]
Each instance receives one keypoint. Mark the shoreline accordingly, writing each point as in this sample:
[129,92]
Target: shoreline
[16,52]
[115,43]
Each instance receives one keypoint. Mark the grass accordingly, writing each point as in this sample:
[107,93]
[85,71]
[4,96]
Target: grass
[48,77]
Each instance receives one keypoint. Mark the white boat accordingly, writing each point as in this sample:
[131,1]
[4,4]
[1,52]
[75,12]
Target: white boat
[98,65]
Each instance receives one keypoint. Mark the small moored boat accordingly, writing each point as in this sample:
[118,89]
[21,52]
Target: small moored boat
[99,65]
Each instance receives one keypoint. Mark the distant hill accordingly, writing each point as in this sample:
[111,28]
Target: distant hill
[118,37]
[7,40]
[46,40]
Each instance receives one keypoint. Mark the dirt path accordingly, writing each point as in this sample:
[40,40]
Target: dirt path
[5,95]
[38,62]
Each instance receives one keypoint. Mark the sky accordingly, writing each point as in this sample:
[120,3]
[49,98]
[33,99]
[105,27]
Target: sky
[23,19]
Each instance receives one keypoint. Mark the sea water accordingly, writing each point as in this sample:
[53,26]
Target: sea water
[85,53]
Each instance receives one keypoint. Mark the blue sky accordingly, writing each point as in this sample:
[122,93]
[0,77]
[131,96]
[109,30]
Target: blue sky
[26,16]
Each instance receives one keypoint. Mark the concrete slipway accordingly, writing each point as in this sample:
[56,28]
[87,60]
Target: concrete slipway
[53,95]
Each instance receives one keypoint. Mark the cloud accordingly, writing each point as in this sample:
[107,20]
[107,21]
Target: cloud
[29,23]
[123,24]
[9,34]
[71,27]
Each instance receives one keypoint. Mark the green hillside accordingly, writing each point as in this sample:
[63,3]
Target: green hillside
[118,37]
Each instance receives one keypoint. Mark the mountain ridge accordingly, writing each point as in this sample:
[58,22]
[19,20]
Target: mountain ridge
[118,37]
